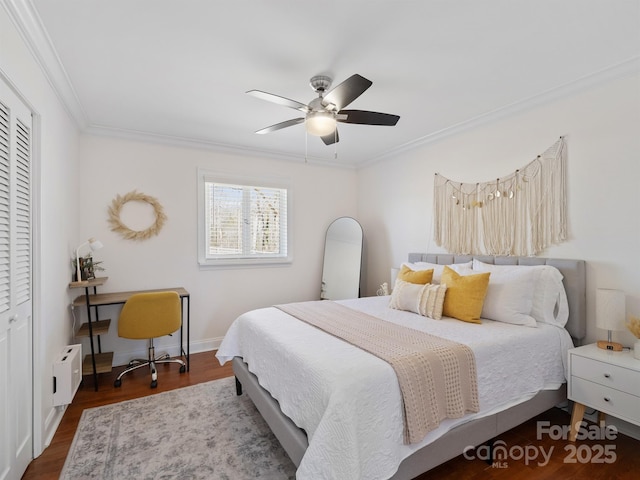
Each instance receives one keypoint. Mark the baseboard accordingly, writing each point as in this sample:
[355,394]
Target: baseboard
[206,345]
[52,423]
[626,428]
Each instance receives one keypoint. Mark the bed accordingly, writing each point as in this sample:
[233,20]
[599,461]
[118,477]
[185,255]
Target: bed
[335,409]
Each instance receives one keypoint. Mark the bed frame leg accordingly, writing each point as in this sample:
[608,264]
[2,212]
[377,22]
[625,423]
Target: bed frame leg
[238,387]
[490,445]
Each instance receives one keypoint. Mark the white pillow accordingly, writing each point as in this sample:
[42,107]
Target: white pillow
[550,303]
[560,314]
[437,268]
[509,297]
[432,300]
[426,300]
[406,296]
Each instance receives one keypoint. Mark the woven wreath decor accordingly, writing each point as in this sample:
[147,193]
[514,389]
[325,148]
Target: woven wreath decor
[127,233]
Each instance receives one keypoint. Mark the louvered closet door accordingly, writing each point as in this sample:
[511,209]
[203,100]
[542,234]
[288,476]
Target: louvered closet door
[16,397]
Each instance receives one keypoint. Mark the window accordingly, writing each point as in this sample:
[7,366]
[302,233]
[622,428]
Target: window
[242,221]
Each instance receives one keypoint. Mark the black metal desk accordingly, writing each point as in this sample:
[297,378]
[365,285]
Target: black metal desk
[96,300]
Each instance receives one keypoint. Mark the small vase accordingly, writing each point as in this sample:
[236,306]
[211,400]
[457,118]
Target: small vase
[636,349]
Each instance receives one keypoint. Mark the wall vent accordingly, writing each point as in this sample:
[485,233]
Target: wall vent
[67,374]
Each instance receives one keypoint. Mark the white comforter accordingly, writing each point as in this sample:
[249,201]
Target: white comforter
[348,401]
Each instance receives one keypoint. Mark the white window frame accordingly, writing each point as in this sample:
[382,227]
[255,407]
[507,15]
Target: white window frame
[205,260]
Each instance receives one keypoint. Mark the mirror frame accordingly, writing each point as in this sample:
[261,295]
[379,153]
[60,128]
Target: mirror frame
[327,268]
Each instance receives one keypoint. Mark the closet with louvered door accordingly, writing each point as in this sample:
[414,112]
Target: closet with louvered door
[16,383]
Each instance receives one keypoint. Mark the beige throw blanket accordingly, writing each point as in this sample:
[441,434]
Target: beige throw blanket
[437,377]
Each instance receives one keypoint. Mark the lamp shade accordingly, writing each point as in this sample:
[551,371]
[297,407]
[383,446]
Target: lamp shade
[610,309]
[95,244]
[320,123]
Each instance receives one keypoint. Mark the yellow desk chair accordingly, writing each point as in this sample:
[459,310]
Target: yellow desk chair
[148,316]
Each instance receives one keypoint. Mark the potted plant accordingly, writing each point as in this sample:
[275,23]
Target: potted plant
[87,268]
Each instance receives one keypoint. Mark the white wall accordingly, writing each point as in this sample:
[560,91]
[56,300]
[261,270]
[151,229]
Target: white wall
[56,230]
[602,128]
[392,200]
[115,166]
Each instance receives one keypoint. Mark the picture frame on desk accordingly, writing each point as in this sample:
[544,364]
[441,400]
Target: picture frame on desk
[87,268]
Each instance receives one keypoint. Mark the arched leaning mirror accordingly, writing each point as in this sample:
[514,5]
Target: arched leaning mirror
[342,260]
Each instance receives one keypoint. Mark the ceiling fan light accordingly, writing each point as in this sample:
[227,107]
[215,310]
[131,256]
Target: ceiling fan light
[320,123]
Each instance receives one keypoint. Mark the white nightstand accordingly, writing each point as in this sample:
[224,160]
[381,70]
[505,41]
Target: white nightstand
[605,380]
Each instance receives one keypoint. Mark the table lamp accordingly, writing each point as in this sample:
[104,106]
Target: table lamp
[610,315]
[93,245]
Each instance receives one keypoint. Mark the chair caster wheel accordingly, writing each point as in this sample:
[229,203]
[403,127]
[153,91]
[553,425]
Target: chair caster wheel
[117,383]
[183,368]
[154,383]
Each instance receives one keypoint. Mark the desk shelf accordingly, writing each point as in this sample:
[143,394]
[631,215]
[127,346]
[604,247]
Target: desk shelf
[104,363]
[96,362]
[99,327]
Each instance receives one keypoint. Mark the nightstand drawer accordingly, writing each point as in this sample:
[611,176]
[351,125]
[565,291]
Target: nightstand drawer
[605,399]
[606,374]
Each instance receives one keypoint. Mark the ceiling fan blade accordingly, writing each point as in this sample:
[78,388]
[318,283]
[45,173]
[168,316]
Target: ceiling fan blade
[332,138]
[281,125]
[285,102]
[365,117]
[347,92]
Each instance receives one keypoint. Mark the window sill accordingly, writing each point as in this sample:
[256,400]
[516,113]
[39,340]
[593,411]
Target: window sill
[229,263]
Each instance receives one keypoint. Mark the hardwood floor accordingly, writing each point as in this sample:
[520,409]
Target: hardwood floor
[203,368]
[588,454]
[584,459]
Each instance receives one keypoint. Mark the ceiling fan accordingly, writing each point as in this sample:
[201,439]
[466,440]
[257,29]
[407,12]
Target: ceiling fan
[322,113]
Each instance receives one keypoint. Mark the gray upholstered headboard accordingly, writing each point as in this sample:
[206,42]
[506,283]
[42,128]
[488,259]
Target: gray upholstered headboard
[574,281]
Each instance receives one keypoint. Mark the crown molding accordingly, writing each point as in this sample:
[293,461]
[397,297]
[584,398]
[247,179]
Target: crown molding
[619,70]
[24,16]
[188,142]
[26,19]
[613,72]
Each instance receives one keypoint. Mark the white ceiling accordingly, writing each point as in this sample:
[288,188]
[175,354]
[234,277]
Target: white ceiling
[178,70]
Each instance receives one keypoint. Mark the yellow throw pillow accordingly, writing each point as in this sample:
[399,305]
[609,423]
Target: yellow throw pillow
[421,277]
[465,295]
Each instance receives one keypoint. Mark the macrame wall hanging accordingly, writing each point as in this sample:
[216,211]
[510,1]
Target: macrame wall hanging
[520,214]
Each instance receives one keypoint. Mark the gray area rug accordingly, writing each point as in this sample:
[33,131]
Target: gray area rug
[203,431]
